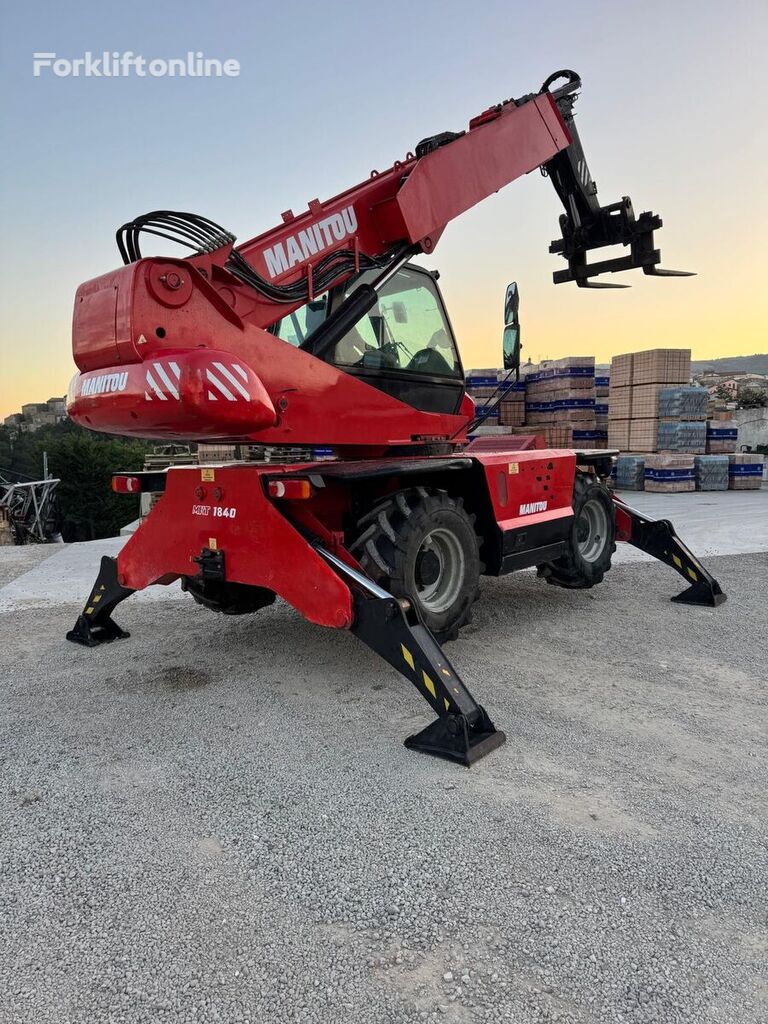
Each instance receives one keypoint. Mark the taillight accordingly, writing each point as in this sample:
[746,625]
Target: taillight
[122,484]
[293,489]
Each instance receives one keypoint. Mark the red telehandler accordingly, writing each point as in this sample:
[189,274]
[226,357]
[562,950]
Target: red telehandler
[321,332]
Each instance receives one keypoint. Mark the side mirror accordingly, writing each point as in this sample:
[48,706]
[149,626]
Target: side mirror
[511,337]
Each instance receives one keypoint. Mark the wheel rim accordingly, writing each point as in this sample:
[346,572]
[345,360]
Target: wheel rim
[591,530]
[439,570]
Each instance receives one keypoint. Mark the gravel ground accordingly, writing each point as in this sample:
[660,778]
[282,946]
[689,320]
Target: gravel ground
[216,820]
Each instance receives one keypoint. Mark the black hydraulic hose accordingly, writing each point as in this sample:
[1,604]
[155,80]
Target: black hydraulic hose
[205,236]
[573,82]
[185,227]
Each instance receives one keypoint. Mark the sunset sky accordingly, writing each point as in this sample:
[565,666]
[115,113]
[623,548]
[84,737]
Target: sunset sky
[671,113]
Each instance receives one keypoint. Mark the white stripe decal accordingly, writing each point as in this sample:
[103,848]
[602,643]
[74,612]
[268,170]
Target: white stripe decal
[221,387]
[175,368]
[212,397]
[148,396]
[167,380]
[153,384]
[241,371]
[233,380]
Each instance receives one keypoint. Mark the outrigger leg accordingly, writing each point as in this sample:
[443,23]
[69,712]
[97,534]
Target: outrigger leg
[95,625]
[657,537]
[463,732]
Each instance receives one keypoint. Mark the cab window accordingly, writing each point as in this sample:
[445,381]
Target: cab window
[406,330]
[295,327]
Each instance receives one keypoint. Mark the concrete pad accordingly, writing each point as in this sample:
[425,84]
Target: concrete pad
[68,576]
[709,522]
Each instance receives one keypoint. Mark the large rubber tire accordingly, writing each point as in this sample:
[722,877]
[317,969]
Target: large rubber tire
[592,540]
[422,545]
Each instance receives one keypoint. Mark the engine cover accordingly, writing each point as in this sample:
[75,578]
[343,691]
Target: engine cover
[201,394]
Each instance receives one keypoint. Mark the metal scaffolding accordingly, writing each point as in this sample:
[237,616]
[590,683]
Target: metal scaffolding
[29,509]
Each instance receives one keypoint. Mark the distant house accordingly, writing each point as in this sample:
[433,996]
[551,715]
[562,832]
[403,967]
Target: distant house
[735,383]
[58,406]
[731,386]
[34,415]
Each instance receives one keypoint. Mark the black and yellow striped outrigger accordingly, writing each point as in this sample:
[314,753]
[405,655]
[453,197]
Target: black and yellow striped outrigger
[391,627]
[657,537]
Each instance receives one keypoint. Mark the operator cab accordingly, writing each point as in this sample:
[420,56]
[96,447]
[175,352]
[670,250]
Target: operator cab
[403,346]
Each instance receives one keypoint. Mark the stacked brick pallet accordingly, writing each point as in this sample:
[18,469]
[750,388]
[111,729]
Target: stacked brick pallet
[560,436]
[669,474]
[682,436]
[481,385]
[562,391]
[602,393]
[602,382]
[512,407]
[629,473]
[651,408]
[722,436]
[555,400]
[711,472]
[560,400]
[672,473]
[745,471]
